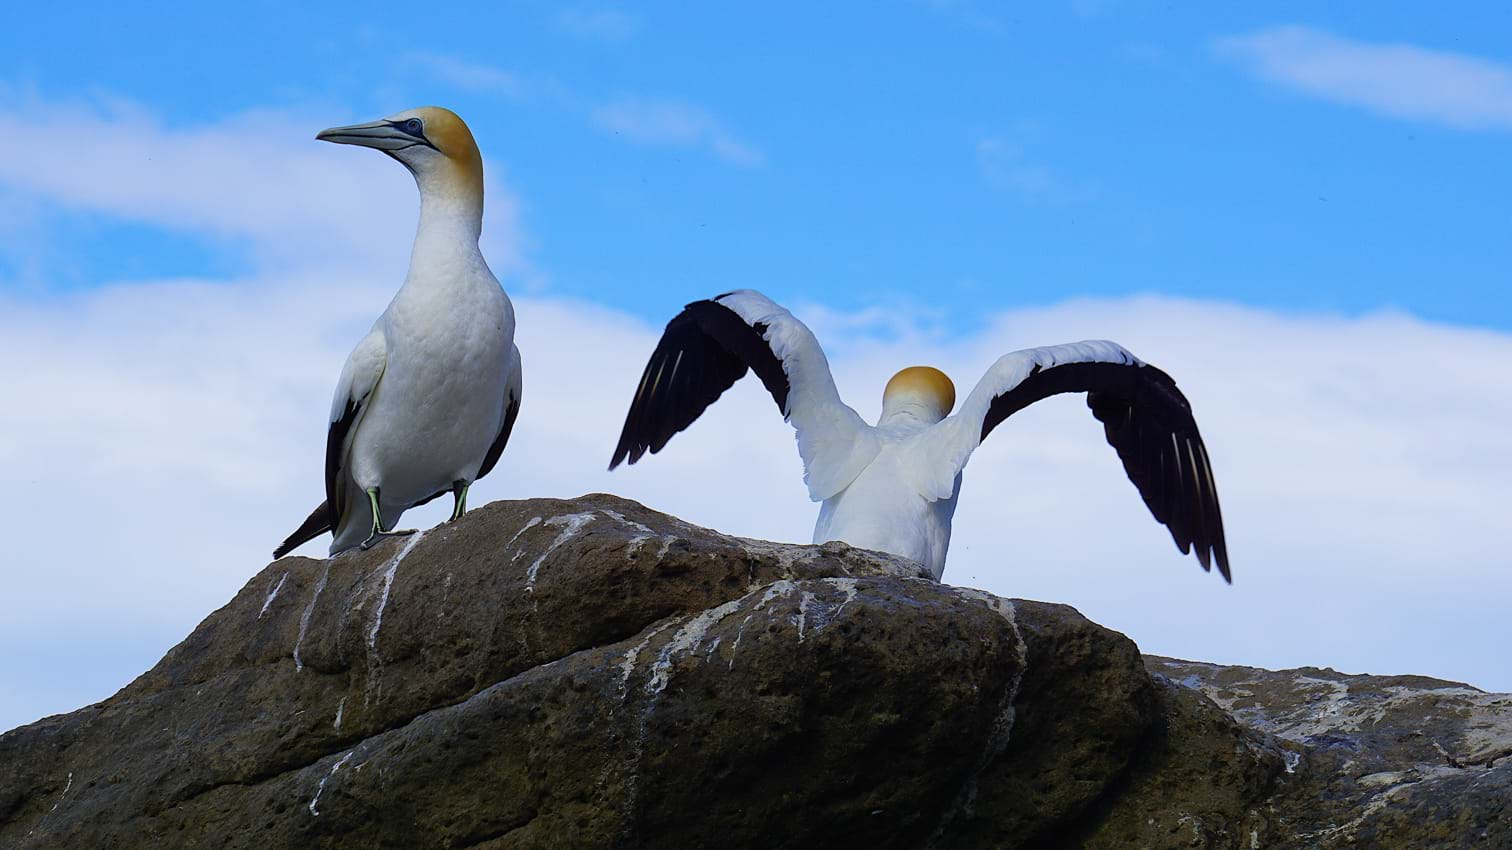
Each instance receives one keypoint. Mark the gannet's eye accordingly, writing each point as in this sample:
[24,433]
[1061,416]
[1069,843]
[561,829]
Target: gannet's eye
[412,126]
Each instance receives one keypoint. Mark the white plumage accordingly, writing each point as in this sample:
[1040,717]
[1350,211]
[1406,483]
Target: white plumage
[427,399]
[893,486]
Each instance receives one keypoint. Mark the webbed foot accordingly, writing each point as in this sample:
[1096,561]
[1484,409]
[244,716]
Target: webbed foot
[379,536]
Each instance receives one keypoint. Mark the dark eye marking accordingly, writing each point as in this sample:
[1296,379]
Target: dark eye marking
[414,127]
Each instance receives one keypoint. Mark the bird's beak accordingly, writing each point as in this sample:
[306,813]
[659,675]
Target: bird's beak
[382,135]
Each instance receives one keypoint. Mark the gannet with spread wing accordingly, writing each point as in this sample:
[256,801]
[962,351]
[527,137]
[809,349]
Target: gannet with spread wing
[427,399]
[893,486]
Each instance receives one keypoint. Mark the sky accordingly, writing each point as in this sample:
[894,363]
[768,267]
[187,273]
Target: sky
[1298,211]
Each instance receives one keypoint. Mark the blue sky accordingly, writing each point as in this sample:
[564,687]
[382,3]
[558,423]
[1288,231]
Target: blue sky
[936,155]
[1301,212]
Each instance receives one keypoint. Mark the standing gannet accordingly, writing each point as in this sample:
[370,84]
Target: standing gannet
[427,399]
[893,486]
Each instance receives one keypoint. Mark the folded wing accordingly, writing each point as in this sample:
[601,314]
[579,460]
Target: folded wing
[712,344]
[359,377]
[513,390]
[1146,419]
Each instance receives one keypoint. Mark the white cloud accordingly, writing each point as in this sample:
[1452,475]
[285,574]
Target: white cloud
[609,25]
[639,120]
[1006,161]
[470,76]
[1361,461]
[257,178]
[1004,164]
[159,437]
[652,121]
[1397,80]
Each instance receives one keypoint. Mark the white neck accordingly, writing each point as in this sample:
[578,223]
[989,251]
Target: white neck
[451,220]
[908,414]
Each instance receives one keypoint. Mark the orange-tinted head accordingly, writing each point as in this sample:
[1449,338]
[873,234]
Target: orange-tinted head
[448,133]
[431,141]
[924,385]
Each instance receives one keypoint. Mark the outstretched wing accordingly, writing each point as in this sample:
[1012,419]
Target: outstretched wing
[359,378]
[709,346]
[1145,418]
[512,389]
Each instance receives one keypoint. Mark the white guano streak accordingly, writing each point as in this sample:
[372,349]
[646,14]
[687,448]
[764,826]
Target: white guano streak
[64,794]
[388,581]
[273,594]
[687,638]
[304,619]
[623,520]
[320,789]
[1002,726]
[804,602]
[534,521]
[642,532]
[691,635]
[570,524]
[627,666]
[844,585]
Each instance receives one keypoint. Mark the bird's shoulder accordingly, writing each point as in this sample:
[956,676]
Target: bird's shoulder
[364,366]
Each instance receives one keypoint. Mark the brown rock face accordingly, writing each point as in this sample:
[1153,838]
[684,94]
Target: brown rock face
[1370,761]
[592,674]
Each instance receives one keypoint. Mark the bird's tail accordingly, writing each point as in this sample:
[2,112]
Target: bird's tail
[318,523]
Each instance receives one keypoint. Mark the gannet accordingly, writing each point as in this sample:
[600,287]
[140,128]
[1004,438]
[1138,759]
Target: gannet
[426,401]
[893,486]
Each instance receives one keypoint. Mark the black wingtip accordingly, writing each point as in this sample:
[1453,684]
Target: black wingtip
[704,350]
[318,523]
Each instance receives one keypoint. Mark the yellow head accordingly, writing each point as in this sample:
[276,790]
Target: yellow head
[920,387]
[432,142]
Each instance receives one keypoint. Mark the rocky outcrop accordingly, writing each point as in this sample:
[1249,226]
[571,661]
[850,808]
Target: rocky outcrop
[1372,761]
[592,674]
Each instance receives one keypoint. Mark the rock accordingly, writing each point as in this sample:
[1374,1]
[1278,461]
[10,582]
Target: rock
[1372,761]
[592,674]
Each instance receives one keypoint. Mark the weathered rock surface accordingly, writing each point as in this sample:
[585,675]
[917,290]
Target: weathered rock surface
[592,674]
[1371,761]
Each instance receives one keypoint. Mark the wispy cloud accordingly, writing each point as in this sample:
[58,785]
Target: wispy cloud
[470,76]
[609,25]
[1398,80]
[257,179]
[664,122]
[1006,161]
[651,121]
[1003,162]
[967,12]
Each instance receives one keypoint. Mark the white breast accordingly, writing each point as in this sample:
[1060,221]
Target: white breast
[439,405]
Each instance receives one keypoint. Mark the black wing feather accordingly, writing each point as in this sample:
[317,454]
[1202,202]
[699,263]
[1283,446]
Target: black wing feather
[326,514]
[335,442]
[1148,421]
[511,413]
[704,350]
